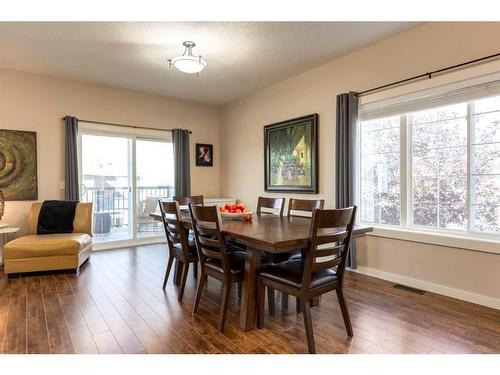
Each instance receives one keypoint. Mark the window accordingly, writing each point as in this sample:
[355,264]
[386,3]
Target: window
[439,167]
[380,194]
[485,165]
[433,168]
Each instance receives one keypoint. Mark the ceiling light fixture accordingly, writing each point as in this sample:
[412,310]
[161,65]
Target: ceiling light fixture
[187,63]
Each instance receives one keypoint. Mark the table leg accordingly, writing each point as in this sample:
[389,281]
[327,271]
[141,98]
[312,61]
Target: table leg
[248,293]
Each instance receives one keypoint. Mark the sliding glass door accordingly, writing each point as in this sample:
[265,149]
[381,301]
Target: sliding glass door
[154,179]
[106,182]
[124,176]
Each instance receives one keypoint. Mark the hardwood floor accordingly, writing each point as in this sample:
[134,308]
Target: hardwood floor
[116,305]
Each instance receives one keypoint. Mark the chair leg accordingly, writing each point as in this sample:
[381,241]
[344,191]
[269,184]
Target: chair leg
[178,271]
[284,301]
[261,297]
[199,291]
[306,311]
[270,300]
[298,306]
[314,301]
[345,312]
[239,291]
[167,273]
[185,271]
[195,269]
[226,293]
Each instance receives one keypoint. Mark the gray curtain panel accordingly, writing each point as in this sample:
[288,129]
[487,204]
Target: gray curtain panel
[182,174]
[71,182]
[347,119]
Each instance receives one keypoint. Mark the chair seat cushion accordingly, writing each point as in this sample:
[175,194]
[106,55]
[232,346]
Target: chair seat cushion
[290,274]
[232,245]
[193,253]
[295,255]
[33,246]
[236,259]
[282,257]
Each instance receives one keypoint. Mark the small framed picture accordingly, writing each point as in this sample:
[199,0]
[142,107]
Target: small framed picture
[204,155]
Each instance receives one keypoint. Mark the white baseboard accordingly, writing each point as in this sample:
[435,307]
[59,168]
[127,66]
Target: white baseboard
[431,287]
[127,243]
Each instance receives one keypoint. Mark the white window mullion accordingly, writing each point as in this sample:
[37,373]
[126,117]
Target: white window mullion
[405,169]
[133,188]
[471,193]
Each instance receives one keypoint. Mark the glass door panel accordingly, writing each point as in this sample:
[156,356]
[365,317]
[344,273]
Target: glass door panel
[106,181]
[154,180]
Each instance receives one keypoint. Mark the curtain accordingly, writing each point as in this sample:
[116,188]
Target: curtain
[346,135]
[180,139]
[71,183]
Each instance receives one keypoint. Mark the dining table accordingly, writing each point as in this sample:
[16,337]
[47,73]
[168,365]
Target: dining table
[264,233]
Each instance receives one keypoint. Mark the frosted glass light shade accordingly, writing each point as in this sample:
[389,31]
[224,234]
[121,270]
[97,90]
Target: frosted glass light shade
[189,64]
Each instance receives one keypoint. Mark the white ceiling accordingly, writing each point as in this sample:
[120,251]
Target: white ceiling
[242,57]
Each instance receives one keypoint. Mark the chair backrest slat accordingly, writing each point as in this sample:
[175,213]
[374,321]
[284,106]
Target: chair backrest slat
[335,237]
[328,251]
[211,253]
[205,241]
[273,206]
[331,263]
[185,200]
[174,229]
[304,207]
[330,234]
[210,240]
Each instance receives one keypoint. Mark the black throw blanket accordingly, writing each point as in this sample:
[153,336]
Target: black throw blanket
[56,217]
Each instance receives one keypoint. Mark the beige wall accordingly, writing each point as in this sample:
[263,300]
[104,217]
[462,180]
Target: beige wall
[37,103]
[423,48]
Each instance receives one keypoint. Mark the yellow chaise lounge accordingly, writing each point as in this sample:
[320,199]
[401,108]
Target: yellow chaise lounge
[48,252]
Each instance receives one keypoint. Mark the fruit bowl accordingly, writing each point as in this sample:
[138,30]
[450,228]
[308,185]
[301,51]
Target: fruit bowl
[235,212]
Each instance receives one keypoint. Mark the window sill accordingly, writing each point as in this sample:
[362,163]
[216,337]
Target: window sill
[456,241]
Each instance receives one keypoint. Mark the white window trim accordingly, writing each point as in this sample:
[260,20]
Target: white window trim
[461,239]
[431,237]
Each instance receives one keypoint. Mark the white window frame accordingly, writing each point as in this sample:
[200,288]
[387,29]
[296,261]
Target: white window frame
[406,230]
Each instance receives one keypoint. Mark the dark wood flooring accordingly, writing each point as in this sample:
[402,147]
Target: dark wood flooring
[116,305]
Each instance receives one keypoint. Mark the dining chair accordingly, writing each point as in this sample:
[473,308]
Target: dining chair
[215,258]
[180,246]
[274,206]
[271,206]
[321,270]
[299,208]
[185,200]
[304,207]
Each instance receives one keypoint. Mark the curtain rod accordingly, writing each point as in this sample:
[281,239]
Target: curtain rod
[126,126]
[428,75]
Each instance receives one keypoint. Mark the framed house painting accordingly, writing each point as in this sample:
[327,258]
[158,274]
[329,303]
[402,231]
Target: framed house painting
[204,155]
[18,165]
[291,155]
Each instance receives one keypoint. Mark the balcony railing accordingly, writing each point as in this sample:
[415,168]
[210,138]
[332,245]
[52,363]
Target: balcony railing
[112,204]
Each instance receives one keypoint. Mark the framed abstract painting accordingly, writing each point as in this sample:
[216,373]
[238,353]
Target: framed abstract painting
[18,165]
[291,155]
[204,155]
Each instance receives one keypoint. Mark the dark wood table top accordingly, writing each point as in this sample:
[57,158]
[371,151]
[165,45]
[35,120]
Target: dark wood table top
[269,232]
